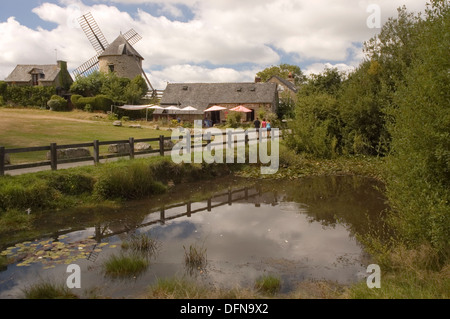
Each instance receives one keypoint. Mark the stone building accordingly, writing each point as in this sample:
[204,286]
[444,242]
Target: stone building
[120,57]
[41,75]
[254,96]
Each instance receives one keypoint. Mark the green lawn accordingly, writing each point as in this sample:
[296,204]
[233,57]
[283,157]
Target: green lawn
[31,127]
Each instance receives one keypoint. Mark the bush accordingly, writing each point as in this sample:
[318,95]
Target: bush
[130,182]
[97,103]
[71,183]
[75,101]
[17,194]
[58,104]
[29,95]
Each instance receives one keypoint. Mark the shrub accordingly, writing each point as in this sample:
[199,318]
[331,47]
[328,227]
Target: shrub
[57,103]
[130,182]
[34,194]
[75,101]
[97,103]
[71,183]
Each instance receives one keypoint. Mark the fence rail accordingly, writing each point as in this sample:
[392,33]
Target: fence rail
[96,157]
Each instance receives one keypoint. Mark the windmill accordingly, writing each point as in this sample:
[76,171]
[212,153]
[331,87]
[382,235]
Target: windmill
[123,47]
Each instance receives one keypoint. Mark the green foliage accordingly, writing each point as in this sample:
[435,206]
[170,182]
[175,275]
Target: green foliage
[71,183]
[329,81]
[22,193]
[268,284]
[88,86]
[58,104]
[119,90]
[97,103]
[316,129]
[135,90]
[29,95]
[129,182]
[3,87]
[234,119]
[125,265]
[282,71]
[48,290]
[75,101]
[418,184]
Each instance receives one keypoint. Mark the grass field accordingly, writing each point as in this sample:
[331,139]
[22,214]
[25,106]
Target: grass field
[33,127]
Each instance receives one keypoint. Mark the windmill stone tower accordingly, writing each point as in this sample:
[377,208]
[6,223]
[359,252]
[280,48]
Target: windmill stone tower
[119,57]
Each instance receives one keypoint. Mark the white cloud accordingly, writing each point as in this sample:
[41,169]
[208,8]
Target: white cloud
[186,73]
[221,33]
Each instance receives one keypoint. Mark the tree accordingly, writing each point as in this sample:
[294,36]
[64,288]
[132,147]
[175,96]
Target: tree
[135,90]
[418,182]
[282,71]
[89,85]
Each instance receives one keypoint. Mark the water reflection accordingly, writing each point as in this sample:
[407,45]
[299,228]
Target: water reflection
[299,230]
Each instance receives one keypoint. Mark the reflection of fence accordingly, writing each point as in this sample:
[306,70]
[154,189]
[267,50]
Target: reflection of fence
[245,194]
[54,160]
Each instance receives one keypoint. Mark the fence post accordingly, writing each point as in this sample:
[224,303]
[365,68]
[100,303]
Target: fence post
[53,157]
[131,141]
[2,160]
[161,145]
[96,152]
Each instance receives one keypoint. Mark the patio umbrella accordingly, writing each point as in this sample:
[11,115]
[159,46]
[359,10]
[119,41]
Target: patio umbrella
[153,107]
[215,108]
[189,108]
[241,108]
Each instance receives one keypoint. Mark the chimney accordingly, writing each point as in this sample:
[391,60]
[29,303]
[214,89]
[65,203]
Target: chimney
[291,78]
[257,79]
[62,64]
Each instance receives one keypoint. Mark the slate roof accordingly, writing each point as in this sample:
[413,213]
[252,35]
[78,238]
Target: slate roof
[286,83]
[22,72]
[202,95]
[120,46]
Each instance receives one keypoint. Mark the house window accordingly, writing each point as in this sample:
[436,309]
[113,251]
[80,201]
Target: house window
[111,67]
[35,79]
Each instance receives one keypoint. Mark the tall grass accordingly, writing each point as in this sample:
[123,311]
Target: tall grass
[268,284]
[142,244]
[128,182]
[125,265]
[195,257]
[48,290]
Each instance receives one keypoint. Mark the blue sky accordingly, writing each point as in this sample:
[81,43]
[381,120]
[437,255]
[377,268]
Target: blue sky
[197,40]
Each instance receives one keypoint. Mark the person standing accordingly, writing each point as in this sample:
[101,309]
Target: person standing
[263,123]
[257,123]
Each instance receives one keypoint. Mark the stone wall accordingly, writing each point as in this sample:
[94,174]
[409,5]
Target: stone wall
[124,65]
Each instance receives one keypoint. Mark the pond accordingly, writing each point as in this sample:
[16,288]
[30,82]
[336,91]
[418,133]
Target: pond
[297,230]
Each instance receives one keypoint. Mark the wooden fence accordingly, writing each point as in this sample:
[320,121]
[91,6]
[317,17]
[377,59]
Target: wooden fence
[96,157]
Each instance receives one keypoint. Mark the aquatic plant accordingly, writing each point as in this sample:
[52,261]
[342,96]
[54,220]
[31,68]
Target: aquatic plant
[48,290]
[195,257]
[268,284]
[142,243]
[125,265]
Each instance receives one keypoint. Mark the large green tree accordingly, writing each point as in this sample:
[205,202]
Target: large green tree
[283,71]
[418,183]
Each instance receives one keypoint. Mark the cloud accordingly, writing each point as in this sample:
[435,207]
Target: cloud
[186,73]
[214,43]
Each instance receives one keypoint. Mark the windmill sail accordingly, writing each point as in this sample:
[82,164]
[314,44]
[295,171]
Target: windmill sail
[132,37]
[93,32]
[87,67]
